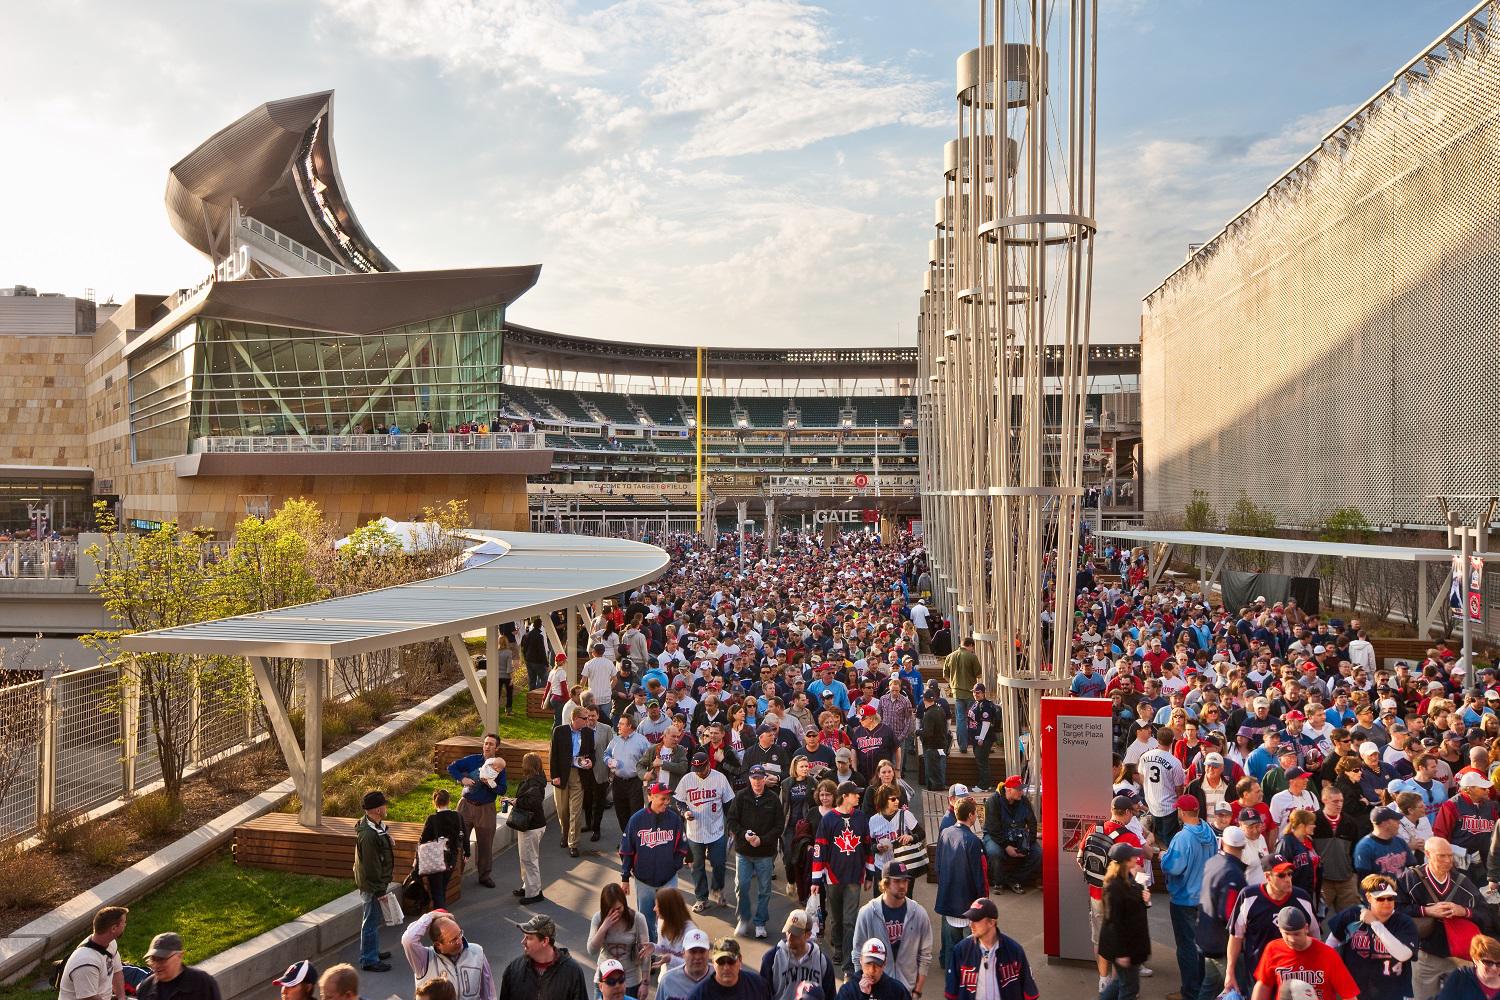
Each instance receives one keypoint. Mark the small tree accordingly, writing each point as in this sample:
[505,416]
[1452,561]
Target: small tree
[1346,524]
[151,581]
[1198,515]
[1248,519]
[21,703]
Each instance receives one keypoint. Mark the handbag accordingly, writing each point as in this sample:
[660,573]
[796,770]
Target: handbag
[912,856]
[415,898]
[432,856]
[520,819]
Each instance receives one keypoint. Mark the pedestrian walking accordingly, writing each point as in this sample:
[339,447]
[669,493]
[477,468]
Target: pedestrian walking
[704,793]
[961,875]
[483,778]
[572,764]
[755,819]
[170,978]
[842,860]
[448,956]
[341,982]
[1124,934]
[796,960]
[623,757]
[730,979]
[873,983]
[680,982]
[989,953]
[1183,863]
[672,926]
[1297,957]
[961,670]
[901,926]
[374,867]
[543,971]
[620,933]
[298,982]
[652,848]
[1376,943]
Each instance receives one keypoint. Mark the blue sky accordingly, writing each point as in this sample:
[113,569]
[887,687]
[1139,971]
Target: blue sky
[715,171]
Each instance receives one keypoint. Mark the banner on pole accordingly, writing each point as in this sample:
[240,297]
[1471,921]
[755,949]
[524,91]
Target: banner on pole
[1075,795]
[1474,606]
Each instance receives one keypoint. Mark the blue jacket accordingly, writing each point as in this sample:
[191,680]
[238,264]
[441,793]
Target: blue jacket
[653,846]
[1012,971]
[1461,984]
[478,793]
[961,871]
[1185,860]
[1223,881]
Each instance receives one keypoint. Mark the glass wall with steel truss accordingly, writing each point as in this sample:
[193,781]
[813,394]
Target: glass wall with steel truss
[215,378]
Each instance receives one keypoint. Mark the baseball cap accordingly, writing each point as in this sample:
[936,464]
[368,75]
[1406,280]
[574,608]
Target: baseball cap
[1261,703]
[808,991]
[1296,773]
[1277,863]
[1319,649]
[873,951]
[1014,781]
[1234,837]
[1383,815]
[1383,891]
[1122,802]
[1144,724]
[561,658]
[757,771]
[1473,779]
[1212,759]
[537,923]
[725,947]
[982,908]
[1188,803]
[1388,704]
[659,788]
[1124,852]
[700,758]
[979,686]
[609,967]
[1291,918]
[297,973]
[1368,747]
[695,938]
[163,945]
[849,788]
[1223,806]
[1453,737]
[843,753]
[1434,685]
[867,710]
[1294,714]
[797,920]
[373,800]
[1249,815]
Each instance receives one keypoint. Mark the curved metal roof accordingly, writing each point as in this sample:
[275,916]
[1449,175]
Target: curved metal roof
[278,162]
[537,574]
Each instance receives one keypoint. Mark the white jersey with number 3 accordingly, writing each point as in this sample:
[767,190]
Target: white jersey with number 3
[1162,778]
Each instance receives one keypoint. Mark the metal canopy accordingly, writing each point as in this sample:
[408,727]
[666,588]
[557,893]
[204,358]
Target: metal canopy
[536,575]
[1295,546]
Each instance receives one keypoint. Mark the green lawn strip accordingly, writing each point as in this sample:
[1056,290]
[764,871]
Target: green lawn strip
[19,991]
[416,805]
[219,904]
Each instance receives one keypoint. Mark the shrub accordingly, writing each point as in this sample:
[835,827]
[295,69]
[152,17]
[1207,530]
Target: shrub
[62,832]
[27,878]
[381,702]
[233,774]
[154,815]
[338,723]
[104,846]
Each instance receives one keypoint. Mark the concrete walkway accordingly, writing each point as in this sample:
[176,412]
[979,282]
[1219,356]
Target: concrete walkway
[572,889]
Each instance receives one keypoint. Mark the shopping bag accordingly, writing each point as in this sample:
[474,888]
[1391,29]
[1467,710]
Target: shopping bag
[432,857]
[390,909]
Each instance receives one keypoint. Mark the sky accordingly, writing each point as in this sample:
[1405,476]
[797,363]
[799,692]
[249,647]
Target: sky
[723,172]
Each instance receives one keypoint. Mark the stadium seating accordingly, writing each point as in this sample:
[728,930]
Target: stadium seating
[878,411]
[765,411]
[820,412]
[613,405]
[664,410]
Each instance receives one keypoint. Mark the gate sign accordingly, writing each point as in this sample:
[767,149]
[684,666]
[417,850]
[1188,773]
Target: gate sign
[1074,798]
[845,516]
[861,481]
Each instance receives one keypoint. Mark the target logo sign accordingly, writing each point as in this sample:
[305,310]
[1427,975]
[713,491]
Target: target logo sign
[861,481]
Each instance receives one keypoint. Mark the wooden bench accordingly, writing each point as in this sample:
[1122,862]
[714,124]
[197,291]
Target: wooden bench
[1411,650]
[535,709]
[276,840]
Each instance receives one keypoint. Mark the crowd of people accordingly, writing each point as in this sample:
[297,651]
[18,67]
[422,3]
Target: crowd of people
[1323,823]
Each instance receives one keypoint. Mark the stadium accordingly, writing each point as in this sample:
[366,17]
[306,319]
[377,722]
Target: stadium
[306,364]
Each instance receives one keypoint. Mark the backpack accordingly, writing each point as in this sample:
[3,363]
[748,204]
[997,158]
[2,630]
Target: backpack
[1094,856]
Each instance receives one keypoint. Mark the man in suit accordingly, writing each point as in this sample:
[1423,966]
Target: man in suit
[596,789]
[572,767]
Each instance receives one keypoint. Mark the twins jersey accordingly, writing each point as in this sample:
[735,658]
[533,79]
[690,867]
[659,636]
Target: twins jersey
[1162,778]
[1380,975]
[705,799]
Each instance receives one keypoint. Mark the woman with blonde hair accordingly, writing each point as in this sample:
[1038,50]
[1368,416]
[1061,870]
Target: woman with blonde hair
[1297,847]
[528,819]
[505,659]
[1124,934]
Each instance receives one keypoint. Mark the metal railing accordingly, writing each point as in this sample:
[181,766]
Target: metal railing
[297,443]
[77,741]
[44,560]
[300,250]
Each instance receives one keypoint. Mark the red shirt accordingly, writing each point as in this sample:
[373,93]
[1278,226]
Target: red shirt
[1267,826]
[1127,836]
[1319,966]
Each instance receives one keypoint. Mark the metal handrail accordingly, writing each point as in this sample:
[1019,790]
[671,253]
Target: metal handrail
[379,443]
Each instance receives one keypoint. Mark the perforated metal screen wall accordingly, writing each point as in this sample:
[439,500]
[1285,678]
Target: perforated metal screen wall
[1338,343]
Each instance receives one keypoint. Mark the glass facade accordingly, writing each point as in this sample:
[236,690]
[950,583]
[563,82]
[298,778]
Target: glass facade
[250,379]
[55,506]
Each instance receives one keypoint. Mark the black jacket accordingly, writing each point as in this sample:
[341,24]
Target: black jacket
[190,984]
[1010,824]
[534,647]
[934,728]
[530,798]
[1124,932]
[447,823]
[562,752]
[563,980]
[761,814]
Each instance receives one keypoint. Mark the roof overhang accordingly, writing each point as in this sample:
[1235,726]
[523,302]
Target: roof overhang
[350,304]
[278,163]
[45,473]
[1294,546]
[538,574]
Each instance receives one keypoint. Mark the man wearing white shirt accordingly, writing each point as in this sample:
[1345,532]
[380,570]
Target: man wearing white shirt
[599,673]
[93,971]
[1294,796]
[1162,781]
[1362,652]
[1144,740]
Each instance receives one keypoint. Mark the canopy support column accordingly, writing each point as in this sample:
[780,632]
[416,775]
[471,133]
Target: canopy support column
[471,676]
[310,788]
[491,711]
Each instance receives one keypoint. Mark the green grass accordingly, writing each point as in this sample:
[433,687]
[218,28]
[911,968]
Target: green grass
[522,727]
[219,905]
[19,991]
[416,805]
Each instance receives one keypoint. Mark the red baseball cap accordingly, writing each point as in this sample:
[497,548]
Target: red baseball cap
[1188,803]
[865,711]
[1014,781]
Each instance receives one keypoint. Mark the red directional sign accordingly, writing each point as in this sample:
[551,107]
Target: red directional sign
[861,481]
